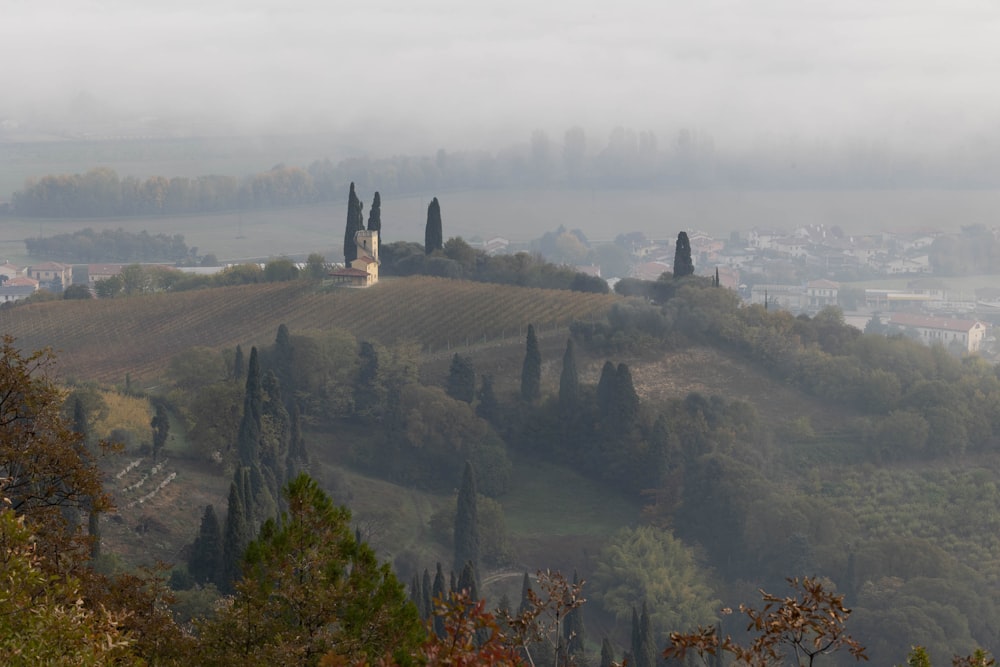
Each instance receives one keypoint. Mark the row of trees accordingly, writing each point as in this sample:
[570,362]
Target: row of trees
[111,246]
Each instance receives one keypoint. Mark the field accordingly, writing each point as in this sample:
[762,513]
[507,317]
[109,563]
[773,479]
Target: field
[103,339]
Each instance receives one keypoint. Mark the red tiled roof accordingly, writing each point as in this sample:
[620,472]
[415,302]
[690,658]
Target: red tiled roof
[928,322]
[349,272]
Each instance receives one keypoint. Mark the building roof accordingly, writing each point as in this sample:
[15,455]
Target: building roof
[928,322]
[349,272]
[22,281]
[50,266]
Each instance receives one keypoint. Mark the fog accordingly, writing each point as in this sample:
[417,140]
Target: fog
[914,76]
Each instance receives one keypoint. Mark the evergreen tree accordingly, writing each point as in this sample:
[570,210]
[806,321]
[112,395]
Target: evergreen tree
[531,370]
[646,655]
[636,638]
[206,560]
[417,594]
[467,580]
[355,223]
[683,266]
[161,428]
[426,600]
[375,218]
[488,408]
[717,283]
[525,603]
[235,540]
[569,382]
[248,437]
[467,522]
[573,631]
[239,364]
[433,234]
[284,361]
[439,594]
[461,379]
[274,440]
[607,653]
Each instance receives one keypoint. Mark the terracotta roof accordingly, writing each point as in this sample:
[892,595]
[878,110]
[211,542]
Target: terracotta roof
[928,322]
[349,272]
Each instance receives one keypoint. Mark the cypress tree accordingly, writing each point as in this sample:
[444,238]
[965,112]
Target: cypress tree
[248,438]
[417,594]
[284,359]
[606,389]
[607,653]
[488,408]
[274,441]
[636,638]
[467,580]
[573,631]
[237,537]
[355,223]
[717,283]
[433,234]
[646,655]
[531,370]
[375,218]
[467,522]
[206,560]
[452,582]
[239,364]
[461,379]
[426,602]
[440,594]
[683,266]
[569,382]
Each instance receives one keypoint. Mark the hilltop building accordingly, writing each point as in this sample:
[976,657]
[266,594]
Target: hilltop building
[363,271]
[968,334]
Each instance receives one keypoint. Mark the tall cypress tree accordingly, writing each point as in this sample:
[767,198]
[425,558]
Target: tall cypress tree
[683,266]
[646,655]
[569,382]
[248,437]
[355,223]
[573,631]
[606,389]
[206,560]
[467,580]
[531,370]
[467,522]
[237,537]
[636,638]
[525,603]
[439,595]
[427,592]
[284,359]
[607,653]
[461,379]
[80,420]
[433,234]
[375,218]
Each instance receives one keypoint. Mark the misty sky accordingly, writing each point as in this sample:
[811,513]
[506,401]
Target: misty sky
[466,74]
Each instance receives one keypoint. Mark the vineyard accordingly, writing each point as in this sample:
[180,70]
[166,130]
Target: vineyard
[103,340]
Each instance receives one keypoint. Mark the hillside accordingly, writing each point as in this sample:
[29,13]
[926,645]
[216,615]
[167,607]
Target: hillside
[103,340]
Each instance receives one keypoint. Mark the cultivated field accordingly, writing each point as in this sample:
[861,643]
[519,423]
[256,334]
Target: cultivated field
[103,340]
